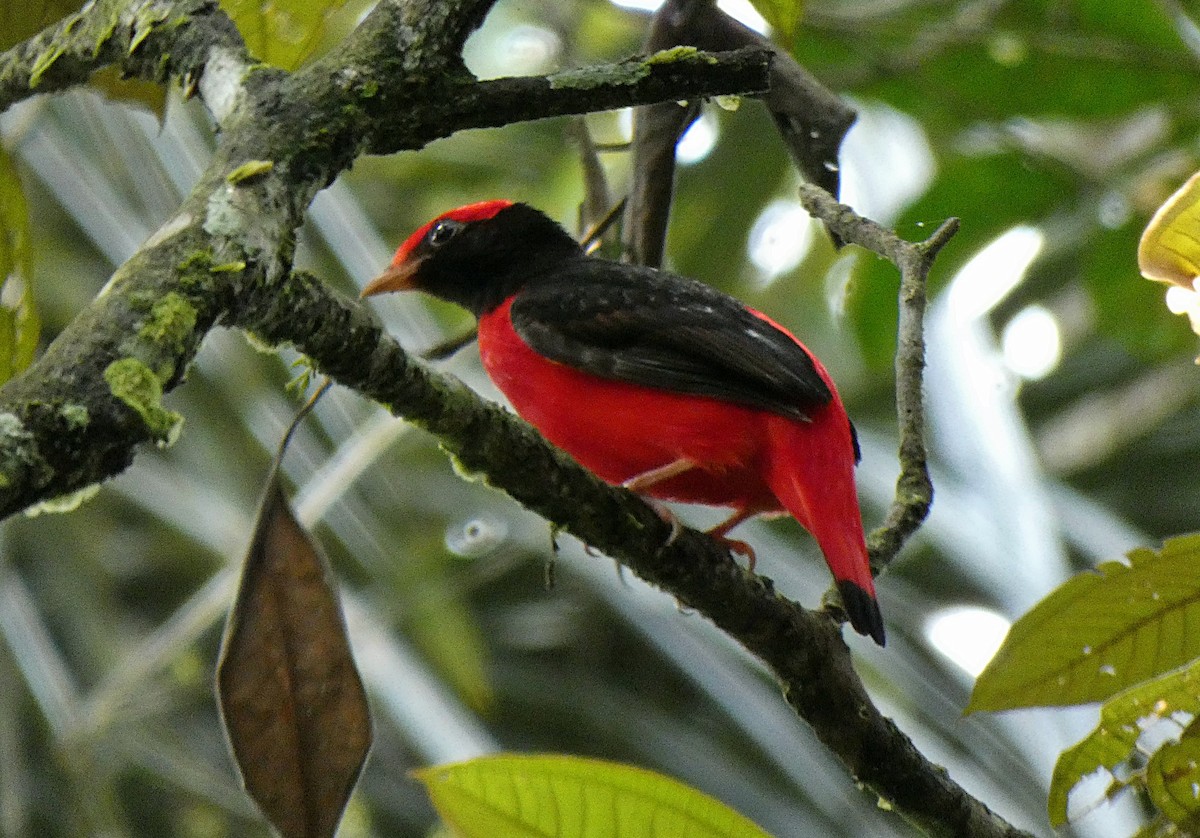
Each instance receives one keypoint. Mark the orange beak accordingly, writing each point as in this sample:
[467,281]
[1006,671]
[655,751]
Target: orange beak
[398,277]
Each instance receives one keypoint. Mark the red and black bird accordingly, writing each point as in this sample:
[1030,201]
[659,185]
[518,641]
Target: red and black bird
[653,381]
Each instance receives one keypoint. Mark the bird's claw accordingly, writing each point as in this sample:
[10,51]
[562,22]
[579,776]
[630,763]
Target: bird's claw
[676,529]
[739,548]
[667,517]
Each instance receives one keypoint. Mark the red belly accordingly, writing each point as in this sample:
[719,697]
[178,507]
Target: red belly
[620,430]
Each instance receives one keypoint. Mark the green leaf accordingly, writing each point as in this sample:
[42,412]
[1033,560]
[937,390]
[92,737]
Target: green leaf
[19,19]
[1171,780]
[784,17]
[19,323]
[448,634]
[1122,721]
[510,796]
[1100,632]
[287,34]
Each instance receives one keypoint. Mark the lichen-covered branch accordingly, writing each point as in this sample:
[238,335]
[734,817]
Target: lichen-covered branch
[152,40]
[914,489]
[492,103]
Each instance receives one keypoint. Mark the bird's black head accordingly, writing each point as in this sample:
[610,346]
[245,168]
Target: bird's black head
[478,255]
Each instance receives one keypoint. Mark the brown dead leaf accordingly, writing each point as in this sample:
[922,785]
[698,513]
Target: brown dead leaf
[293,704]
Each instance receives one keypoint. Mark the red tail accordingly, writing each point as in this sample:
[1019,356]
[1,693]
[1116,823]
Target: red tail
[810,469]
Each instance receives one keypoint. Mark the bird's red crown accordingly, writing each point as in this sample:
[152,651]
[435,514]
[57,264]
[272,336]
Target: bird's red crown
[470,212]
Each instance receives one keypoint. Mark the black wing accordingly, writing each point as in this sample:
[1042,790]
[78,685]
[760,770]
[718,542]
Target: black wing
[653,328]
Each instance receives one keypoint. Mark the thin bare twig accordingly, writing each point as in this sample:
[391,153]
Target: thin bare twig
[914,489]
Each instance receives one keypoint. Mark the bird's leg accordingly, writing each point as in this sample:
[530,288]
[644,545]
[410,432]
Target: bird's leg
[720,533]
[639,483]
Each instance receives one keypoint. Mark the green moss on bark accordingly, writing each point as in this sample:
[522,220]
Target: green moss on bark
[139,387]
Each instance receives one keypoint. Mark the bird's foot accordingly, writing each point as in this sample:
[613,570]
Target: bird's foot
[739,548]
[667,517]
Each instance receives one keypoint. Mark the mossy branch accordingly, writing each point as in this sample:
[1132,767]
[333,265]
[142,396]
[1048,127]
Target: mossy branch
[285,136]
[153,41]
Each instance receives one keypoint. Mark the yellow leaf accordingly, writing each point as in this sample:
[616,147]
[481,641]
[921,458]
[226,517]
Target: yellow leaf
[511,796]
[288,34]
[1170,247]
[784,17]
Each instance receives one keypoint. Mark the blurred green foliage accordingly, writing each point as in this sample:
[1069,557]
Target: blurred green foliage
[18,21]
[288,34]
[19,325]
[1075,117]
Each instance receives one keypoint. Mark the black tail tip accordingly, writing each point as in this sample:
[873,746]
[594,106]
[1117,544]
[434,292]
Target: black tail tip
[863,611]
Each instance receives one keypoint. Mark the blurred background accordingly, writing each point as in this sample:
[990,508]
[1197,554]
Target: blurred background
[1063,399]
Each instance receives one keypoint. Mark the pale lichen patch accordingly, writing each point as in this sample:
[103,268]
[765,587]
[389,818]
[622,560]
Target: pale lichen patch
[63,503]
[670,56]
[18,452]
[76,415]
[586,78]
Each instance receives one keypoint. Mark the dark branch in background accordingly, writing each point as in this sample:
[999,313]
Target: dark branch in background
[489,104]
[597,197]
[656,131]
[812,120]
[914,489]
[78,414]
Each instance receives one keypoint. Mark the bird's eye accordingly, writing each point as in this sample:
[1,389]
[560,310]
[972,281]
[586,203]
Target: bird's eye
[443,231]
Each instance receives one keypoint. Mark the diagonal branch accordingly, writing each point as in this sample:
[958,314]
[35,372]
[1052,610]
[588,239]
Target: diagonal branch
[804,649]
